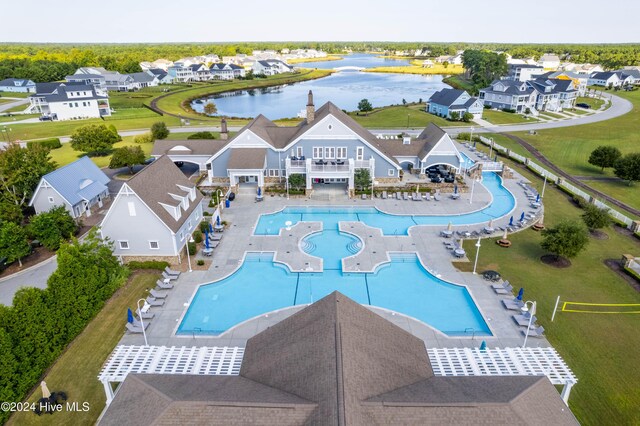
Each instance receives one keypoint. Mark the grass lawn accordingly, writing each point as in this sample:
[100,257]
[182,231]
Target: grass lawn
[5,101]
[173,103]
[17,108]
[459,82]
[501,117]
[601,349]
[547,114]
[16,117]
[419,69]
[76,371]
[14,95]
[132,113]
[593,102]
[579,111]
[396,117]
[569,147]
[504,141]
[66,154]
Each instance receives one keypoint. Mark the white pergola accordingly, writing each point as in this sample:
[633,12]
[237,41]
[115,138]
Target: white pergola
[226,361]
[504,362]
[125,359]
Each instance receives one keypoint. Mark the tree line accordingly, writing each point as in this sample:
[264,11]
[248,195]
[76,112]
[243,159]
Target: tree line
[484,66]
[50,62]
[41,323]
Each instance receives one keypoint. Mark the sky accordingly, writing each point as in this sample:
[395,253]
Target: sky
[510,21]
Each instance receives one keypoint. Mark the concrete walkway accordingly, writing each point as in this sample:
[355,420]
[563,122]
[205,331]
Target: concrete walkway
[9,105]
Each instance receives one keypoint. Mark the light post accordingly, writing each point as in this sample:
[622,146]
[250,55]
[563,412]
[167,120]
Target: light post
[544,186]
[473,185]
[144,333]
[475,264]
[471,137]
[373,182]
[532,312]
[218,193]
[189,240]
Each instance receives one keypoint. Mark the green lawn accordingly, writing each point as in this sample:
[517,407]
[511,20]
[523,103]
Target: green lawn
[601,349]
[5,101]
[569,147]
[501,117]
[579,111]
[66,154]
[547,114]
[18,108]
[14,95]
[401,117]
[593,102]
[173,103]
[16,117]
[132,113]
[506,142]
[76,371]
[459,82]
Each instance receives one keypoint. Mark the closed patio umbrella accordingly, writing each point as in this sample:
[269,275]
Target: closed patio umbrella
[538,198]
[210,228]
[259,191]
[455,188]
[45,390]
[520,293]
[129,315]
[206,238]
[522,217]
[218,220]
[483,346]
[511,221]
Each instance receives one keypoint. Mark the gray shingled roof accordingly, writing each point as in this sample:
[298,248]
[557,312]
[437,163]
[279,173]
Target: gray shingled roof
[16,82]
[446,97]
[156,182]
[142,77]
[194,146]
[247,158]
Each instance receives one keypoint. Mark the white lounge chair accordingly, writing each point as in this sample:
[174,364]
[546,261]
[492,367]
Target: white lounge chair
[158,294]
[427,196]
[436,197]
[416,197]
[534,332]
[384,195]
[398,195]
[405,196]
[169,277]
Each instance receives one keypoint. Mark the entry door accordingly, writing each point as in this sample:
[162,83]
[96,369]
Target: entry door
[360,153]
[251,179]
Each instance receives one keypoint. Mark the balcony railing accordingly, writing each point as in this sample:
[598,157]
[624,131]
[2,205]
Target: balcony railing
[329,168]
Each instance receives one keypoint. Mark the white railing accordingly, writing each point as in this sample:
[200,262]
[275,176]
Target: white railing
[329,168]
[557,180]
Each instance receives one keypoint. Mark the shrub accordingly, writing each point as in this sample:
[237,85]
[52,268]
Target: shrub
[595,218]
[148,264]
[200,262]
[159,130]
[509,110]
[206,213]
[144,138]
[53,227]
[53,143]
[204,225]
[93,138]
[202,135]
[197,236]
[192,248]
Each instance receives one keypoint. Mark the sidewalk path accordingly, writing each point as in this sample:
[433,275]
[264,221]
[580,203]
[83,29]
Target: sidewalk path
[35,276]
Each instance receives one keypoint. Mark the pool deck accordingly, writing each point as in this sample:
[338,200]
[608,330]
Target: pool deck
[238,239]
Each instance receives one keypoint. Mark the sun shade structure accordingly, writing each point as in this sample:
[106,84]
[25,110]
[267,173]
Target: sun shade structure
[334,363]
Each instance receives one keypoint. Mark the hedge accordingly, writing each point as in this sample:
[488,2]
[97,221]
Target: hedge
[148,264]
[53,143]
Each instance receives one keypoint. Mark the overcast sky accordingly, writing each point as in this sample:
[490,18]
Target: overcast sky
[514,21]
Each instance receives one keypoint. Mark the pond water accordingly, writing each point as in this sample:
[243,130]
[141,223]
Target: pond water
[345,89]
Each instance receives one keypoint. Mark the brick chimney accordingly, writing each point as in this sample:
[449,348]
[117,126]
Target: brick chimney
[311,109]
[224,133]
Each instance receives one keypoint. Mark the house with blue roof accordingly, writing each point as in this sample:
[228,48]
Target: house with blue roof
[78,187]
[448,101]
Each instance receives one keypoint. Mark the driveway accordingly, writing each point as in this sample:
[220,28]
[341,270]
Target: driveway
[15,103]
[36,276]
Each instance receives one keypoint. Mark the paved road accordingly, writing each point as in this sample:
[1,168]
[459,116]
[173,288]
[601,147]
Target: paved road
[15,103]
[36,276]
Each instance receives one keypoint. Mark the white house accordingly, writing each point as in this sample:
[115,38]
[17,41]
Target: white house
[610,79]
[221,71]
[68,101]
[17,85]
[549,62]
[155,213]
[270,67]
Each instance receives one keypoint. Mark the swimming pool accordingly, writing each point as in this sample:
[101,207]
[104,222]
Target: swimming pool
[402,286]
[502,204]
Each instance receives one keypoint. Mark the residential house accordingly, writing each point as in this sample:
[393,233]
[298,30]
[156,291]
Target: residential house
[610,79]
[162,76]
[427,63]
[162,64]
[79,187]
[104,79]
[447,101]
[195,151]
[451,59]
[634,72]
[583,69]
[119,82]
[95,80]
[67,101]
[526,61]
[549,62]
[16,85]
[200,72]
[554,94]
[186,62]
[221,71]
[154,213]
[336,362]
[509,94]
[270,67]
[180,74]
[580,81]
[144,79]
[523,72]
[326,148]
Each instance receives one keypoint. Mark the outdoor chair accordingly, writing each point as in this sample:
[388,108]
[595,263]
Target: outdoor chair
[512,305]
[398,195]
[364,196]
[384,195]
[147,315]
[152,301]
[214,244]
[524,320]
[534,332]
[405,196]
[503,290]
[133,329]
[504,285]
[416,197]
[158,294]
[215,237]
[436,197]
[169,277]
[171,272]
[427,196]
[164,286]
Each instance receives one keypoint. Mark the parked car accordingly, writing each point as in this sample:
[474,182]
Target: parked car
[179,163]
[583,105]
[46,118]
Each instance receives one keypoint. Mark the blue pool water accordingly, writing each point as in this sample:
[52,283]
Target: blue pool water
[503,203]
[403,286]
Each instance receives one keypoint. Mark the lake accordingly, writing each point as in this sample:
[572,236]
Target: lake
[345,89]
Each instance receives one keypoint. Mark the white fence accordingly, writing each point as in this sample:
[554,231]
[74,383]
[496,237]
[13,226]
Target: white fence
[558,181]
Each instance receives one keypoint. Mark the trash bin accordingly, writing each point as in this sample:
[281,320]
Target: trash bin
[232,196]
[227,203]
